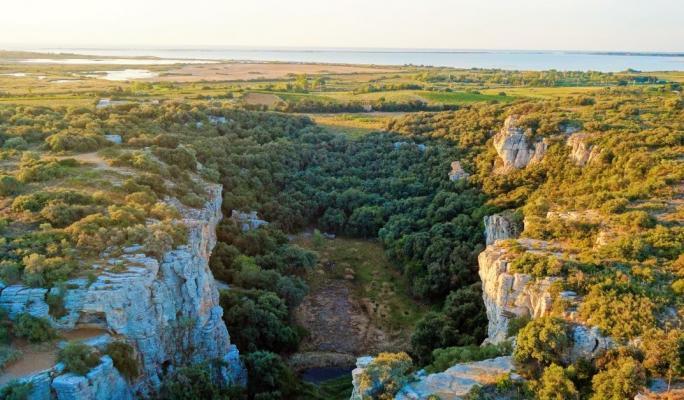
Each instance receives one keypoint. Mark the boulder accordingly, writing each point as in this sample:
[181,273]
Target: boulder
[457,172]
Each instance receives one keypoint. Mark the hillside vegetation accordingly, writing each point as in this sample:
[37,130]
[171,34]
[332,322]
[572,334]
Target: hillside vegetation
[609,228]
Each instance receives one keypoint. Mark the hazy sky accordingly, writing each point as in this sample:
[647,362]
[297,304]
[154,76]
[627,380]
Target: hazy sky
[645,25]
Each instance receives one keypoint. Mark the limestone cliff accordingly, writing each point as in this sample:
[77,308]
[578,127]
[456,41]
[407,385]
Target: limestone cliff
[581,152]
[514,147]
[168,310]
[500,226]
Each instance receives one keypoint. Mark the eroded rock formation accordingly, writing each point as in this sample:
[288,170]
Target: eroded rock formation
[457,172]
[514,147]
[169,310]
[456,382]
[581,152]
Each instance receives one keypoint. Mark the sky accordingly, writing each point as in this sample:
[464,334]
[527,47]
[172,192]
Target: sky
[600,25]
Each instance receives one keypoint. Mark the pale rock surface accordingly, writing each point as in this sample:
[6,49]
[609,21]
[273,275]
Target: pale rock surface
[581,152]
[169,310]
[247,221]
[514,148]
[500,227]
[507,294]
[103,382]
[456,382]
[457,172]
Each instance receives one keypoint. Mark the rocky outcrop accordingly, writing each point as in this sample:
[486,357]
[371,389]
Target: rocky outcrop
[168,310]
[457,172]
[509,295]
[456,382]
[500,227]
[581,152]
[247,221]
[453,384]
[103,382]
[514,147]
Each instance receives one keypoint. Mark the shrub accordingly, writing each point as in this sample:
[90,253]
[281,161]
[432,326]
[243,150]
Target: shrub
[16,143]
[385,375]
[75,141]
[556,384]
[78,358]
[124,359]
[16,390]
[447,357]
[622,380]
[537,266]
[268,376]
[543,342]
[516,324]
[34,329]
[194,382]
[9,185]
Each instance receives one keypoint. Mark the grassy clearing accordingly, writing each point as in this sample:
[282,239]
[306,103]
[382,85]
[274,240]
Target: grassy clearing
[375,279]
[457,98]
[543,92]
[354,125]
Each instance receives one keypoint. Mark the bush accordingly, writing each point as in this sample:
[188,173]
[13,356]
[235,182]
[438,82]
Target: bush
[16,143]
[124,359]
[78,358]
[9,185]
[33,329]
[268,376]
[622,380]
[194,382]
[16,390]
[447,357]
[385,375]
[543,342]
[75,141]
[556,384]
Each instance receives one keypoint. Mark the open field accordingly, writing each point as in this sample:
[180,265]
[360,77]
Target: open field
[258,71]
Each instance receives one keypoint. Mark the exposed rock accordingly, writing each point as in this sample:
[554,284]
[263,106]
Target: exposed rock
[588,343]
[103,382]
[499,227]
[169,310]
[457,172]
[247,221]
[581,152]
[514,148]
[361,364]
[457,381]
[507,295]
[116,139]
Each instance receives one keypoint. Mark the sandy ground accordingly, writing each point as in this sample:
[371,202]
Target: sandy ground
[251,71]
[40,357]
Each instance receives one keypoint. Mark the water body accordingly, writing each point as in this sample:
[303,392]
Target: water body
[511,60]
[322,374]
[124,75]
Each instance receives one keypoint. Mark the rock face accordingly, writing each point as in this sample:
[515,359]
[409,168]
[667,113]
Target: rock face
[508,295]
[500,227]
[453,384]
[581,152]
[103,382]
[247,221]
[169,310]
[457,172]
[514,147]
[456,382]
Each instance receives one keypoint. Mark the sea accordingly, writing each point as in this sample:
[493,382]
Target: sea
[497,59]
